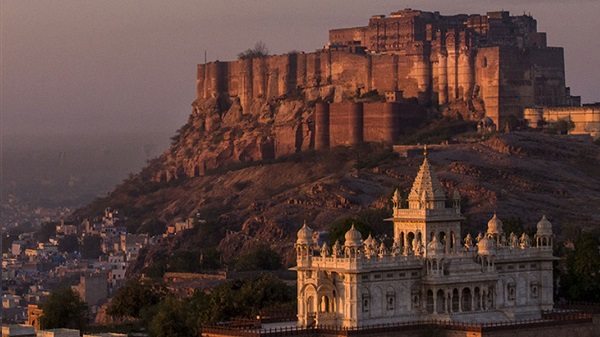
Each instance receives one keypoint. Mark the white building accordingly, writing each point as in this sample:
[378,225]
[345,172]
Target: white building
[427,273]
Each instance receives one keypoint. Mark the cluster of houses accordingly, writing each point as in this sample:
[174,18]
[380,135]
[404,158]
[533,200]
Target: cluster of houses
[31,269]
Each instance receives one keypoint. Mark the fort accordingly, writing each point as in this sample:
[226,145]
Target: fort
[495,63]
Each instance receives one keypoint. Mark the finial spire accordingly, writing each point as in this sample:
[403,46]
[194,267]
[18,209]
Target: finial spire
[425,151]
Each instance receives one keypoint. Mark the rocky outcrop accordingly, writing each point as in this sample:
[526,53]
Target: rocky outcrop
[219,132]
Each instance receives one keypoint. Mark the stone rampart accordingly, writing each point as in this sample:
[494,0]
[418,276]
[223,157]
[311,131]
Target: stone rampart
[586,119]
[350,123]
[277,75]
[430,57]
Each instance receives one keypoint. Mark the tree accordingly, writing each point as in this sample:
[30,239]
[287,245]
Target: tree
[135,297]
[46,231]
[172,320]
[260,50]
[68,244]
[582,281]
[240,298]
[259,257]
[92,247]
[64,309]
[563,126]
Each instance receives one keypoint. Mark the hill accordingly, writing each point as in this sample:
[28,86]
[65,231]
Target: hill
[519,175]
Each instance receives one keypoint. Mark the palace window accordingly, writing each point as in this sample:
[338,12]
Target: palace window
[415,299]
[510,290]
[534,290]
[365,303]
[390,301]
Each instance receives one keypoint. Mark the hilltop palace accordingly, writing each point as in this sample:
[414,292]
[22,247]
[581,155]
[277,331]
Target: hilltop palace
[427,273]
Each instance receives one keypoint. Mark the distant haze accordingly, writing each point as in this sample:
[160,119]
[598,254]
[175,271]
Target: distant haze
[73,67]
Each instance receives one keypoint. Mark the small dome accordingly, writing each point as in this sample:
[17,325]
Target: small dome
[368,240]
[456,195]
[544,227]
[353,238]
[435,247]
[494,225]
[305,235]
[485,246]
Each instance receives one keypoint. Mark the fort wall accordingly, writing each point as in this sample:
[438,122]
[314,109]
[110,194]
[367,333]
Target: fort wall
[381,122]
[499,59]
[354,74]
[347,124]
[586,119]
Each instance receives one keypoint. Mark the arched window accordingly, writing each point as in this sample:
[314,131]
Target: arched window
[466,299]
[365,303]
[440,302]
[390,301]
[455,298]
[430,301]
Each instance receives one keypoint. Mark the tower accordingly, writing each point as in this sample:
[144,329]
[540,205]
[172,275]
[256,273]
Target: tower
[427,215]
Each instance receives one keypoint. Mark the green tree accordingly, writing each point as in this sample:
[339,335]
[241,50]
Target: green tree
[136,297]
[260,50]
[172,319]
[64,309]
[582,281]
[242,298]
[46,231]
[259,257]
[92,247]
[68,243]
[563,126]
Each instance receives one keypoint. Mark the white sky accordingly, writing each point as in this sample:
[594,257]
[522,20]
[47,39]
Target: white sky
[84,66]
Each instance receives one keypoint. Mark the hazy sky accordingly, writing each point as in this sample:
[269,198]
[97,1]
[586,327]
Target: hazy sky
[79,66]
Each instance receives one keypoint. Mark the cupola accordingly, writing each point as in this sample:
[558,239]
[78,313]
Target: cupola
[353,238]
[305,235]
[494,226]
[485,246]
[435,247]
[544,227]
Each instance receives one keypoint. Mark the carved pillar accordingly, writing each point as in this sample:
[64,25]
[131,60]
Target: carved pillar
[435,301]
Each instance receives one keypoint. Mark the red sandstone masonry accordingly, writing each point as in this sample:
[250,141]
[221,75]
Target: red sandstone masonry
[428,56]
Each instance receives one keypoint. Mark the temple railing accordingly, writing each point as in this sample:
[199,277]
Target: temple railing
[554,318]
